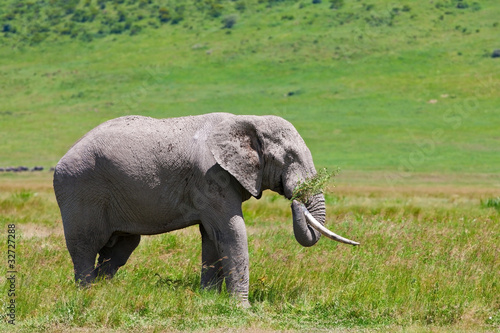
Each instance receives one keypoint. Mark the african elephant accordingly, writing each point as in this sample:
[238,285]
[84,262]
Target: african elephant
[135,175]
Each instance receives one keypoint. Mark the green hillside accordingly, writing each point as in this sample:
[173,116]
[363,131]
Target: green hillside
[370,85]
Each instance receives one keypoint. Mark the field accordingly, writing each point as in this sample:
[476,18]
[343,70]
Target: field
[428,261]
[402,97]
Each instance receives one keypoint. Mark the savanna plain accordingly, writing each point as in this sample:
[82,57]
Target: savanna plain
[401,96]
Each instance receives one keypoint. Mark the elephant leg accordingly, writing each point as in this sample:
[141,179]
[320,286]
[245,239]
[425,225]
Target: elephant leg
[115,254]
[83,254]
[211,270]
[84,266]
[85,234]
[232,247]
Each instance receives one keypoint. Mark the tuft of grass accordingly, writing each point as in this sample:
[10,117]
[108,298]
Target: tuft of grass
[313,185]
[491,203]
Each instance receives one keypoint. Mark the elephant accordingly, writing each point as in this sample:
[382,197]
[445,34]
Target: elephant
[137,175]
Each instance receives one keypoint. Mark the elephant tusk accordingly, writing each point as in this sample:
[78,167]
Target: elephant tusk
[318,226]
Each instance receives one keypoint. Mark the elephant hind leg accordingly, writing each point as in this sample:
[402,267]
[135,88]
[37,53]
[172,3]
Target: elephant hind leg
[85,234]
[116,253]
[83,256]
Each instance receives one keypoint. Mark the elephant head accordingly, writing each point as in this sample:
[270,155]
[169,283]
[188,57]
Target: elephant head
[267,152]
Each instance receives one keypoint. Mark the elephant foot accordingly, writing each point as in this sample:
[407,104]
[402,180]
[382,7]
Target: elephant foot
[244,304]
[86,281]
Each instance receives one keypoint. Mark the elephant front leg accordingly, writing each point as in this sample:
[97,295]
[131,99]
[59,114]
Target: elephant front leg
[232,249]
[211,264]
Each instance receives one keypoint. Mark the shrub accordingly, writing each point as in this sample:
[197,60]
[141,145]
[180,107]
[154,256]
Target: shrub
[37,38]
[117,28]
[85,36]
[240,6]
[69,29]
[177,19]
[215,10]
[178,15]
[229,21]
[9,16]
[135,29]
[37,28]
[336,4]
[103,31]
[122,17]
[154,24]
[459,4]
[128,24]
[81,15]
[8,28]
[475,6]
[69,6]
[144,3]
[164,14]
[54,15]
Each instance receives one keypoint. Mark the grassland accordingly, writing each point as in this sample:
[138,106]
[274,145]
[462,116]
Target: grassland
[402,97]
[428,262]
[413,92]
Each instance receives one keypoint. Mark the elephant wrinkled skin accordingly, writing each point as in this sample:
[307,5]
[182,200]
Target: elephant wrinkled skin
[135,175]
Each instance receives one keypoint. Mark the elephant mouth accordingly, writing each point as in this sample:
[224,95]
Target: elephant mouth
[324,231]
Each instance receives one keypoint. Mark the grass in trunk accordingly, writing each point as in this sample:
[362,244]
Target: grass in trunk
[313,185]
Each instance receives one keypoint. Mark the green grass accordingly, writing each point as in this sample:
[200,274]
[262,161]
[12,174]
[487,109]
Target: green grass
[491,203]
[357,90]
[428,261]
[405,102]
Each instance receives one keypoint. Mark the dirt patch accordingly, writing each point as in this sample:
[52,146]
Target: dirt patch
[31,230]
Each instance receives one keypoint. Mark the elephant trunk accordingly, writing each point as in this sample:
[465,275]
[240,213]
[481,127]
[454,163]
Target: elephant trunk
[309,221]
[304,233]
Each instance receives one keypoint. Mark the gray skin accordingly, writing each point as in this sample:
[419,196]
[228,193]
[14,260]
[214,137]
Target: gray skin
[135,175]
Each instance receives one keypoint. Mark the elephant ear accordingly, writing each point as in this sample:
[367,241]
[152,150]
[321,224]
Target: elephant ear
[236,147]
